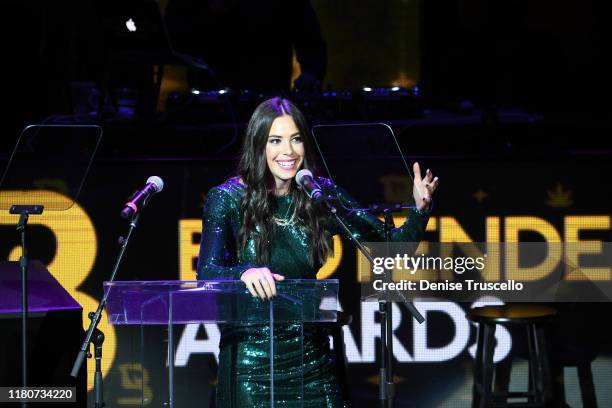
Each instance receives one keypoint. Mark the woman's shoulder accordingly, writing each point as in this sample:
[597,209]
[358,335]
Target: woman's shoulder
[232,186]
[230,190]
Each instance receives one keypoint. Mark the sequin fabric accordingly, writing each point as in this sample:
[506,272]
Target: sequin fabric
[302,359]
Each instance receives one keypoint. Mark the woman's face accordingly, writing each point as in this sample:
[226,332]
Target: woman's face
[284,150]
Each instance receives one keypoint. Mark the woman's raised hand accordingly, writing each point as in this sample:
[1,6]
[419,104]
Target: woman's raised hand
[424,187]
[260,282]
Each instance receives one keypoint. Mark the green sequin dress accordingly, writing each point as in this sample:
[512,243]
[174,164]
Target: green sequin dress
[242,378]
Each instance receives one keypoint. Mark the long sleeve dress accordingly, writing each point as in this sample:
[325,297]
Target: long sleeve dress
[242,378]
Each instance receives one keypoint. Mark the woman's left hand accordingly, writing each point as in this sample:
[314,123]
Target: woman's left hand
[424,188]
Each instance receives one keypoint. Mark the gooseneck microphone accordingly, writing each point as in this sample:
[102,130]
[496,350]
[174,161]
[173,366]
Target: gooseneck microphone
[154,185]
[306,182]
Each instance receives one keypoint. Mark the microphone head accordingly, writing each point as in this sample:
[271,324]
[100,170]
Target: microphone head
[301,174]
[157,182]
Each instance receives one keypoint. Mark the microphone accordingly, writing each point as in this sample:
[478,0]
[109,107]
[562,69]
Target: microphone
[306,182]
[141,198]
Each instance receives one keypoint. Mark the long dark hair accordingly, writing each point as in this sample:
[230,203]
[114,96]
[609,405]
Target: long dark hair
[258,204]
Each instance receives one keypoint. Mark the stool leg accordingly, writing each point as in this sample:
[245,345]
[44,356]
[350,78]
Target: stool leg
[502,375]
[534,369]
[488,349]
[478,365]
[544,363]
[557,379]
[587,388]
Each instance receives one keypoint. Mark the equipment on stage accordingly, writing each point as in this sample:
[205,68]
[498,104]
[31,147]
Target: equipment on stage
[137,46]
[93,334]
[373,147]
[141,198]
[162,304]
[367,104]
[135,30]
[307,183]
[64,153]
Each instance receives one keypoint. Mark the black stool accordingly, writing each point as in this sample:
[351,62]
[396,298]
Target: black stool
[532,317]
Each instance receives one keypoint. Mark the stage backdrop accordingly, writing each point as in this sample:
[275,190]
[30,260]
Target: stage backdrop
[481,198]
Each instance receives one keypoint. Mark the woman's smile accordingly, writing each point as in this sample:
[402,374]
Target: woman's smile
[287,164]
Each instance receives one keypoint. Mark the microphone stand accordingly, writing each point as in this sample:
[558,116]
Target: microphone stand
[94,335]
[386,394]
[24,211]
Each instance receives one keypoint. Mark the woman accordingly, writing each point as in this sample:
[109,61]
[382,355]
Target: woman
[259,228]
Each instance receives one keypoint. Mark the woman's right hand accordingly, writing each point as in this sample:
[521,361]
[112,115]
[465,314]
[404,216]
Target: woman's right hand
[260,282]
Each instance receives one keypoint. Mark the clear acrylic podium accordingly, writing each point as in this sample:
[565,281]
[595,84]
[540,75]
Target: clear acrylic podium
[168,303]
